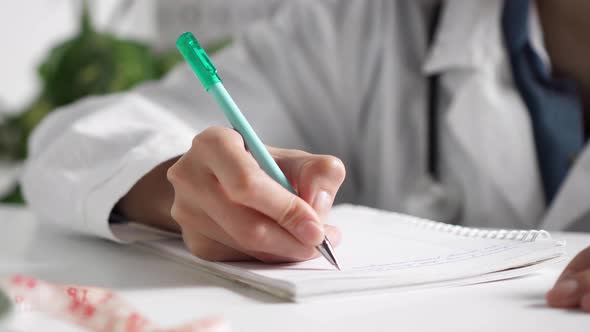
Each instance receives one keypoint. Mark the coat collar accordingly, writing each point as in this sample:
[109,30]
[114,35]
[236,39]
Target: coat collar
[489,118]
[464,37]
[462,40]
[486,113]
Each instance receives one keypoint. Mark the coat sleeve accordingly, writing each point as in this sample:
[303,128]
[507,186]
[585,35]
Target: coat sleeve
[286,74]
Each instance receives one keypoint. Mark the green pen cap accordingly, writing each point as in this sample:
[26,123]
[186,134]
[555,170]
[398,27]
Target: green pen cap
[198,59]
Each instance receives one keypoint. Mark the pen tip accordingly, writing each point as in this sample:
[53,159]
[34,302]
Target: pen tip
[335,263]
[328,252]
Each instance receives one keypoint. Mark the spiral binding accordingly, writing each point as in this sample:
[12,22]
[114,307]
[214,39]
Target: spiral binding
[497,234]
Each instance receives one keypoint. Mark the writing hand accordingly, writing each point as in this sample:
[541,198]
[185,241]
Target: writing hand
[228,208]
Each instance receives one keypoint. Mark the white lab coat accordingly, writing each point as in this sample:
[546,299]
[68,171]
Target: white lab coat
[346,78]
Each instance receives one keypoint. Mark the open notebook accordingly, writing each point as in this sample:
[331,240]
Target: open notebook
[385,251]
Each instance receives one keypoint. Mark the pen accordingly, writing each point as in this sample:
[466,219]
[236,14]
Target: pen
[204,69]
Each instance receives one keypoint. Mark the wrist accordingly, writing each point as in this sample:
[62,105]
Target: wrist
[149,201]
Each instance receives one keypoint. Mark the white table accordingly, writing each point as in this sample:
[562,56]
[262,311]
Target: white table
[170,293]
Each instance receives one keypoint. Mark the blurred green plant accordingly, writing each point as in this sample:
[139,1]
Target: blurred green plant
[91,63]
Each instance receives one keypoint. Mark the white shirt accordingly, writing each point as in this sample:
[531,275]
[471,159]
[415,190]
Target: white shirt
[347,78]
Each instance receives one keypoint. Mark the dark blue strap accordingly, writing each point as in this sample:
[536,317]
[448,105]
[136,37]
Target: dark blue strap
[553,103]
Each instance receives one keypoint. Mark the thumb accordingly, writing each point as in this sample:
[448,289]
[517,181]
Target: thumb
[316,178]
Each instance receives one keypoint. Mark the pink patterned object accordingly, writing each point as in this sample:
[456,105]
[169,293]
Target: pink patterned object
[95,309]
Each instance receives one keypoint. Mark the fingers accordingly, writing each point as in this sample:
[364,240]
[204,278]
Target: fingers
[229,209]
[572,288]
[199,232]
[211,250]
[206,239]
[579,263]
[572,291]
[235,228]
[250,230]
[316,177]
[245,183]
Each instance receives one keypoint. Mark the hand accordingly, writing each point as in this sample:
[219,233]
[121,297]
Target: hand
[572,288]
[229,209]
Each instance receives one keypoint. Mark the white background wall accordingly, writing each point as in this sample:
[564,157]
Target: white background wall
[29,28]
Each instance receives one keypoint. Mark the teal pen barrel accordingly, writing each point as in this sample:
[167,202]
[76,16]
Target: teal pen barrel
[254,144]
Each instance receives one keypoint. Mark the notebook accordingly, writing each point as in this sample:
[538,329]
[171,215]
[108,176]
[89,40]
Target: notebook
[386,251]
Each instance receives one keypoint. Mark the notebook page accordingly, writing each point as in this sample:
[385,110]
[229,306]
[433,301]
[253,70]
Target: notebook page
[379,250]
[380,244]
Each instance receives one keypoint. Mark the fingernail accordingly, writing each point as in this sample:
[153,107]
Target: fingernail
[322,202]
[565,289]
[310,232]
